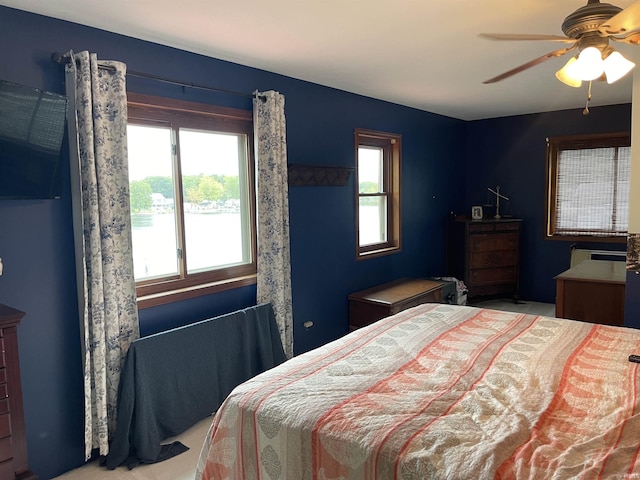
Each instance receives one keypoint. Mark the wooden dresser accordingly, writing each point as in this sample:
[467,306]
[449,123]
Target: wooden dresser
[592,291]
[485,254]
[370,305]
[13,441]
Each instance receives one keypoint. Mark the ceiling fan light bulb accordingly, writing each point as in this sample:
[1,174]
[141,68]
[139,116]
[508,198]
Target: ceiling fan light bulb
[616,67]
[565,78]
[589,65]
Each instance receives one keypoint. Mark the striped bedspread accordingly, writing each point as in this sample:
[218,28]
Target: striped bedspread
[440,392]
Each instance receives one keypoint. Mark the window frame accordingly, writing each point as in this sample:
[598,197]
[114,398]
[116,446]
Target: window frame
[391,144]
[160,111]
[554,147]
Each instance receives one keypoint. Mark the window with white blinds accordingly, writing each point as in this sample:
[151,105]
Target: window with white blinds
[588,186]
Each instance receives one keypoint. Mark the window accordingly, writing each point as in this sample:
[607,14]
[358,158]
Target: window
[588,187]
[192,202]
[378,193]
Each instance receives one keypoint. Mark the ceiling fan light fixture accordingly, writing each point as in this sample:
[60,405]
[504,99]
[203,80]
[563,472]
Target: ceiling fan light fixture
[588,66]
[616,66]
[588,31]
[565,78]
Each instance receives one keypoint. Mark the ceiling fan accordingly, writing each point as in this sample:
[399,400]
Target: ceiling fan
[588,30]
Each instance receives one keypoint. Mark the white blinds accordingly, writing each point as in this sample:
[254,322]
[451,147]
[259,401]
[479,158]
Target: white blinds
[592,195]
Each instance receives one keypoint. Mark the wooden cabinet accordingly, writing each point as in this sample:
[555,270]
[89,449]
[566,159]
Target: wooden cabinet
[13,441]
[370,305]
[485,254]
[592,291]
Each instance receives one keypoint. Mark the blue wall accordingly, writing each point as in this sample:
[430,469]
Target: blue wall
[439,173]
[36,241]
[510,152]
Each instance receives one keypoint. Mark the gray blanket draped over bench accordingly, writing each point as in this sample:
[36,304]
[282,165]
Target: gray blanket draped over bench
[173,379]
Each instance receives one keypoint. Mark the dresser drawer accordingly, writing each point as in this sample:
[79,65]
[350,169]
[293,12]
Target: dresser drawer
[497,258]
[6,452]
[490,242]
[4,407]
[5,425]
[2,359]
[494,275]
[508,226]
[6,469]
[493,226]
[481,227]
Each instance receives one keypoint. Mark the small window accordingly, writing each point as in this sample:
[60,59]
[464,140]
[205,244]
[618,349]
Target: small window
[377,193]
[588,187]
[192,201]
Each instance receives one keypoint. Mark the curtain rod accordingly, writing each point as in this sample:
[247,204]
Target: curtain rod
[63,58]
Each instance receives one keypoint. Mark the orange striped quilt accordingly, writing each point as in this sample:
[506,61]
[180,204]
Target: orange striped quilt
[440,392]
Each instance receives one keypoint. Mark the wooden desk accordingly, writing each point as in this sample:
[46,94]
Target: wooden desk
[592,291]
[370,305]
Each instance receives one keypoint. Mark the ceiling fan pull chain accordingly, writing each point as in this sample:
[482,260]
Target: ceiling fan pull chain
[586,108]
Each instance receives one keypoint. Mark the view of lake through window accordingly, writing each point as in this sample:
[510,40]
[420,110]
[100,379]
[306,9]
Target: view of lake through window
[213,173]
[373,208]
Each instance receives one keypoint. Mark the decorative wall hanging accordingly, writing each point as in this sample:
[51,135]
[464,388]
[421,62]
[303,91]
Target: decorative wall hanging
[307,175]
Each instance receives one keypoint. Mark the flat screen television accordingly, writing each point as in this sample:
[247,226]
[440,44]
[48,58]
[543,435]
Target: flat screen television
[32,125]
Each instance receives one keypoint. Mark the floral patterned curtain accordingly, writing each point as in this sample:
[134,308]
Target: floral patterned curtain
[274,260]
[97,118]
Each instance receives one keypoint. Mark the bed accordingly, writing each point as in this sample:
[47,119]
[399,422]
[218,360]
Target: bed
[440,392]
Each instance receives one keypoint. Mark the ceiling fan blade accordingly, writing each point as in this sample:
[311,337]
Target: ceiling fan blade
[526,36]
[632,38]
[532,63]
[625,21]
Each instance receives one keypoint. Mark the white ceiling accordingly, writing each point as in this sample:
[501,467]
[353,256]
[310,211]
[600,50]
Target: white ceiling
[424,54]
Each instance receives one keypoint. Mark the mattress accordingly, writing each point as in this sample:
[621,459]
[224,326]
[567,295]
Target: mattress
[439,391]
